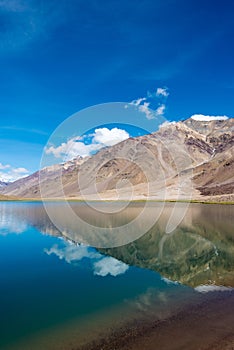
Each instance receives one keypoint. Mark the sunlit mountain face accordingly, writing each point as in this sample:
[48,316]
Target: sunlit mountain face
[186,160]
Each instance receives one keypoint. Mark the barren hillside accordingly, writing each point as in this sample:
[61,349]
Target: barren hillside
[184,160]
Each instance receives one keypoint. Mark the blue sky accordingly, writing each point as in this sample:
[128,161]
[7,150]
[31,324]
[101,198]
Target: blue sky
[58,57]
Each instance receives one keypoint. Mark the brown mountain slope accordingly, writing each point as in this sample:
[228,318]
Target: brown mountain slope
[158,165]
[28,187]
[216,177]
[7,198]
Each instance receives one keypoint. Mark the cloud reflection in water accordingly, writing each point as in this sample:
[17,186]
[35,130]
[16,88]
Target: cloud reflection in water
[101,265]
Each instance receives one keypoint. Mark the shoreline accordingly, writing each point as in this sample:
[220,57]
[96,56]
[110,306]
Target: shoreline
[68,199]
[206,325]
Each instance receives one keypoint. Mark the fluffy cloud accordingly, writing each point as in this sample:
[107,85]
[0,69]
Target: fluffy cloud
[102,137]
[109,266]
[162,92]
[72,148]
[9,225]
[109,137]
[9,173]
[207,118]
[72,253]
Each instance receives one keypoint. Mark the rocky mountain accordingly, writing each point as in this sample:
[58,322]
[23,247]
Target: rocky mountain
[3,184]
[28,187]
[183,160]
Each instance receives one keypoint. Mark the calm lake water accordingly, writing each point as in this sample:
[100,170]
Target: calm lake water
[56,292]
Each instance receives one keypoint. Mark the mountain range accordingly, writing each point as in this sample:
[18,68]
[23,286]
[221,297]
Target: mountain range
[3,184]
[190,159]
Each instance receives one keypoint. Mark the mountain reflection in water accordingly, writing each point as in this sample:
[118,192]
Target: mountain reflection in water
[199,251]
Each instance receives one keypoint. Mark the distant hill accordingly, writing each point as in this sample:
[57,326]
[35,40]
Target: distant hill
[3,184]
[190,152]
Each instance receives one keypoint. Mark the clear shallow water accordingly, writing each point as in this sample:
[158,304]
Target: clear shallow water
[55,294]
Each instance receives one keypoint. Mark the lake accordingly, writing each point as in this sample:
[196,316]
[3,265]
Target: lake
[59,292]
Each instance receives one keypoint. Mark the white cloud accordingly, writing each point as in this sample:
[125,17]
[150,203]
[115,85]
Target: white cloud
[166,123]
[145,109]
[72,148]
[109,266]
[102,137]
[19,170]
[2,166]
[109,137]
[10,174]
[102,266]
[71,252]
[150,113]
[138,101]
[143,103]
[160,110]
[162,92]
[9,223]
[207,118]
